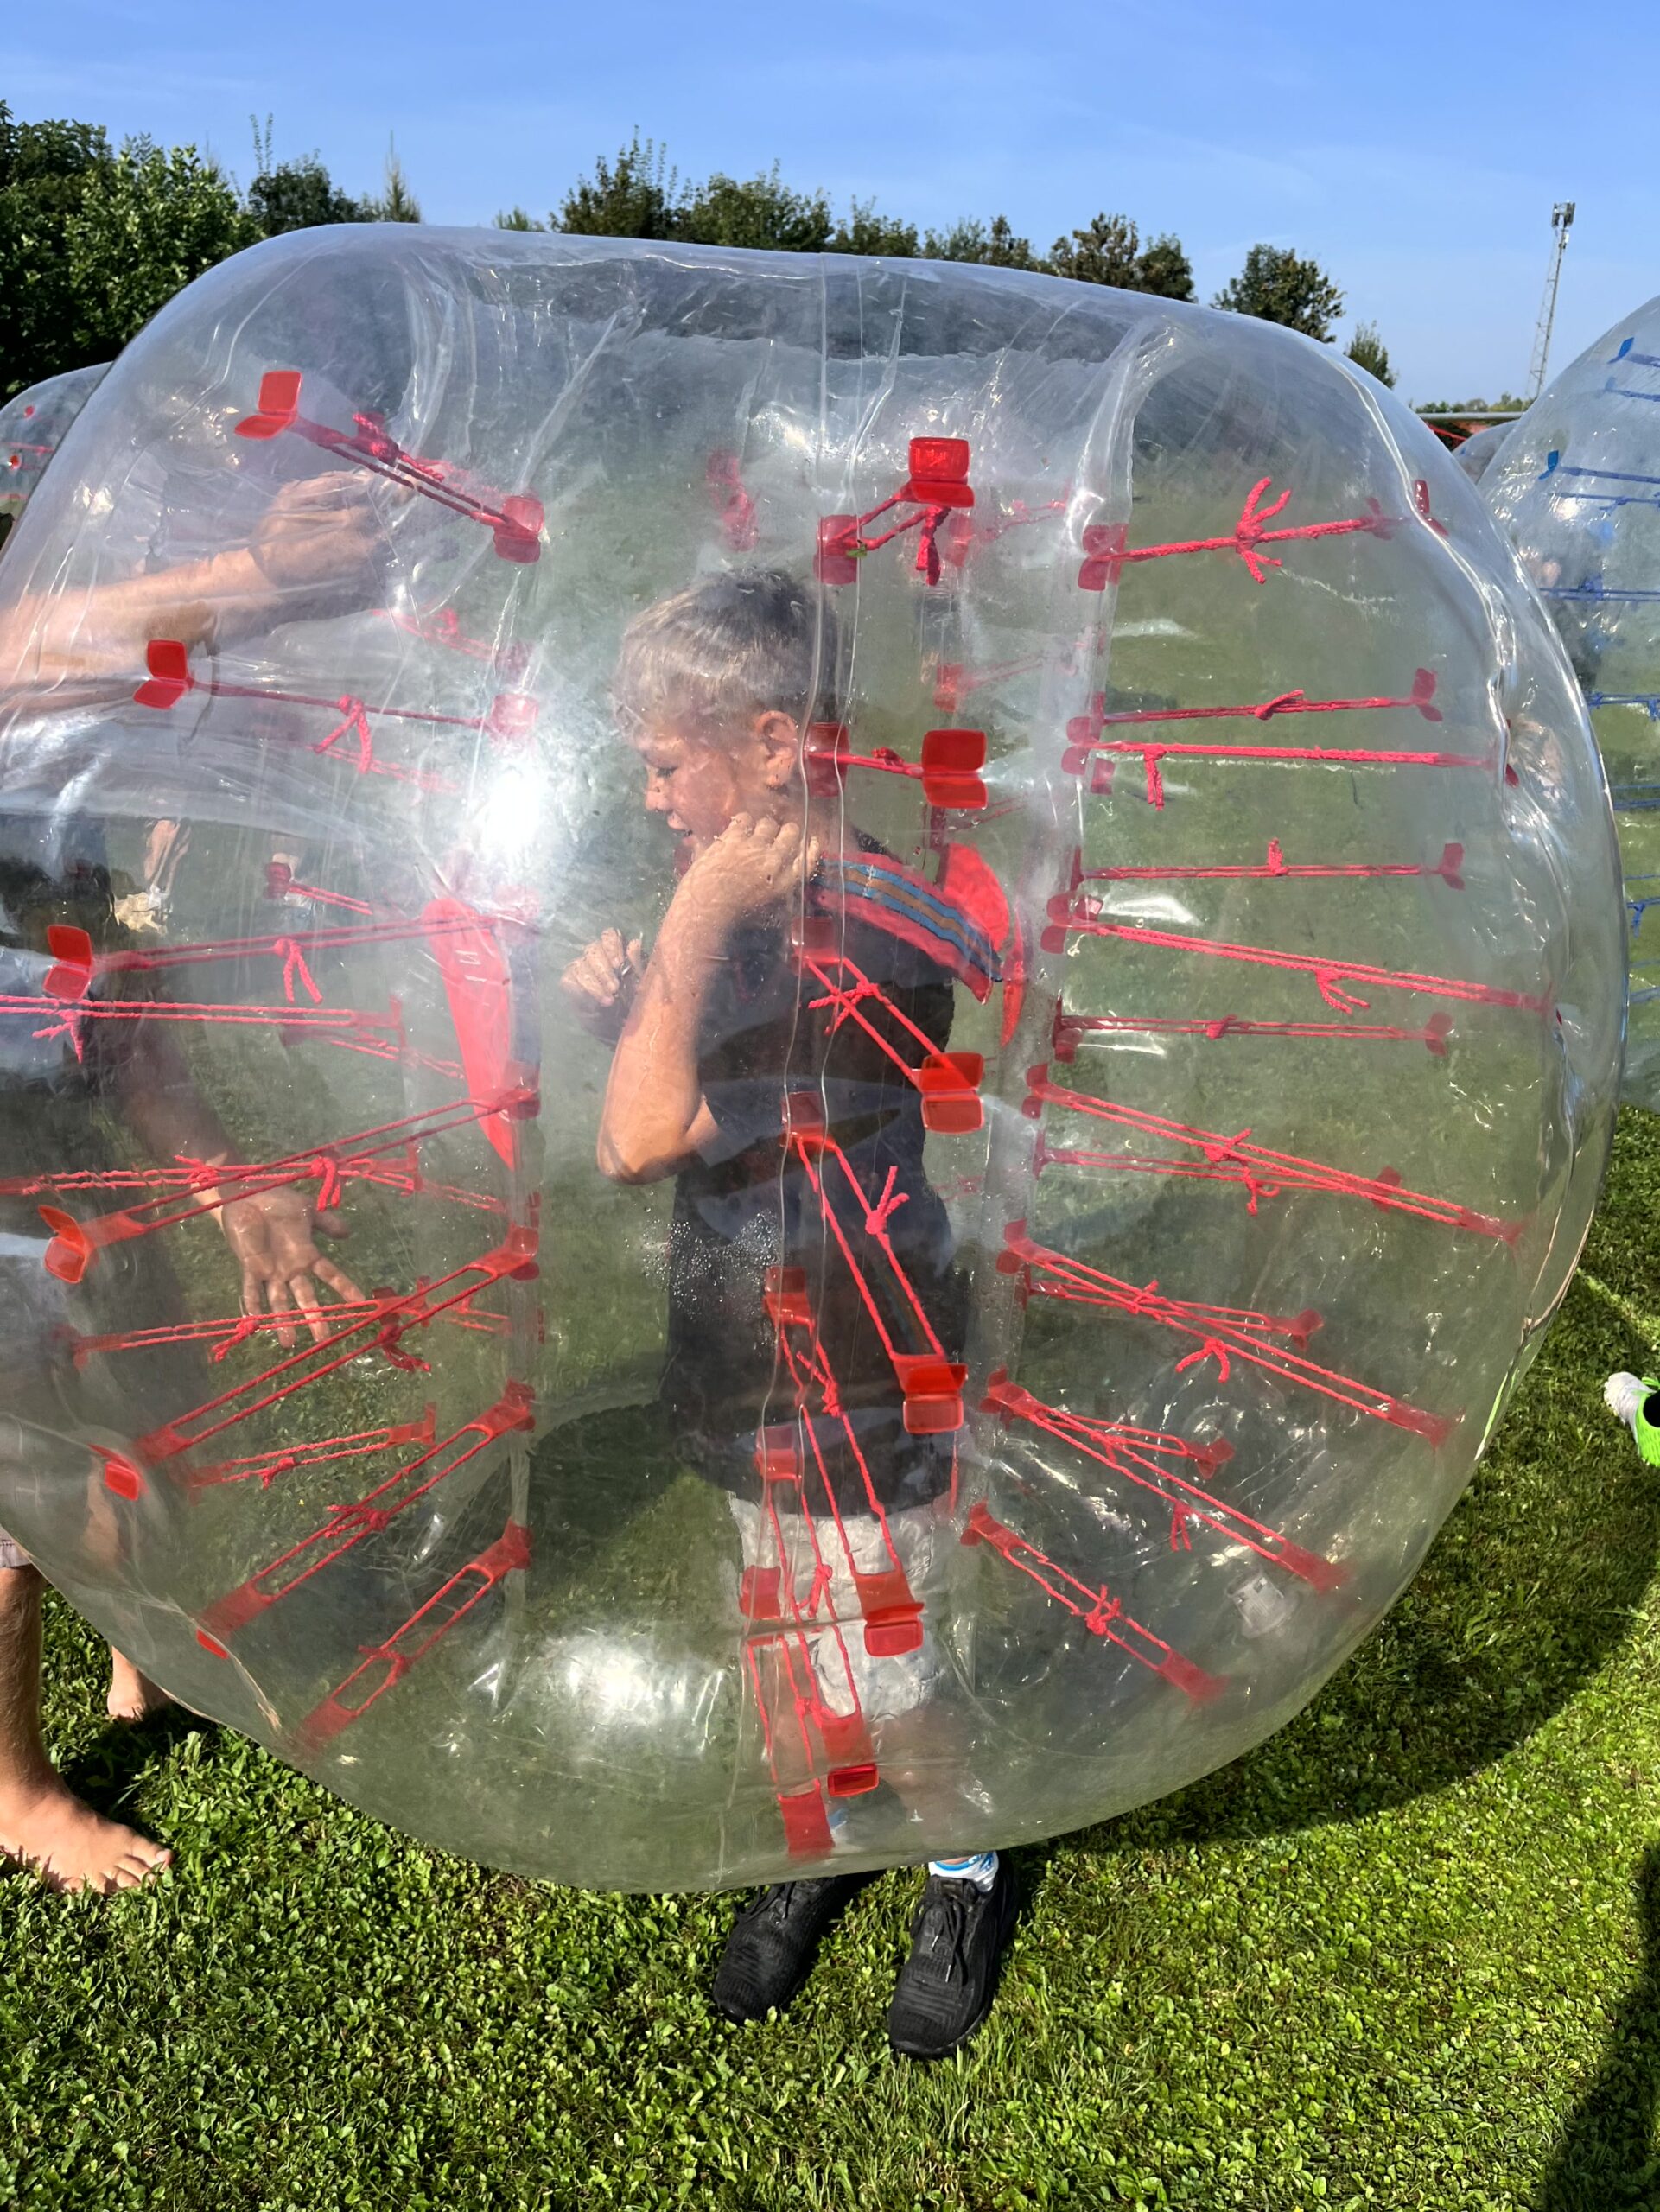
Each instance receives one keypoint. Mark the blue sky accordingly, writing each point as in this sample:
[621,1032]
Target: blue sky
[1415,156]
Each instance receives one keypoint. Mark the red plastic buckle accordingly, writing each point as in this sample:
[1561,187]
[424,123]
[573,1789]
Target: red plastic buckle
[950,1084]
[813,937]
[760,1593]
[806,1824]
[513,716]
[951,760]
[121,1478]
[1104,545]
[169,674]
[852,1781]
[279,406]
[786,1295]
[933,1392]
[825,758]
[778,1453]
[518,536]
[72,950]
[893,1617]
[939,472]
[803,1120]
[836,560]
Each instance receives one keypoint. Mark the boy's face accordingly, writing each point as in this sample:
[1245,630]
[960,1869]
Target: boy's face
[698,782]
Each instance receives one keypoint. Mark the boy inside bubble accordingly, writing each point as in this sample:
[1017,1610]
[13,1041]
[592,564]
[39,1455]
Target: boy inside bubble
[718,1044]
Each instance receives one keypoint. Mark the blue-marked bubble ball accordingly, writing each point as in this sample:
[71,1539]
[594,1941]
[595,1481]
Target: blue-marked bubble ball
[792,1051]
[1577,488]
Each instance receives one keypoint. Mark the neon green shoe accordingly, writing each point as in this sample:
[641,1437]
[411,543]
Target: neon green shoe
[1635,1401]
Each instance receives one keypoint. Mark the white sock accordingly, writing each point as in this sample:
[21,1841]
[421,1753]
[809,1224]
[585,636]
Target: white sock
[980,1867]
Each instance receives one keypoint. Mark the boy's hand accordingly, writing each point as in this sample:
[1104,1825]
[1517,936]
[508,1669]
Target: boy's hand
[751,868]
[270,1234]
[600,982]
[324,530]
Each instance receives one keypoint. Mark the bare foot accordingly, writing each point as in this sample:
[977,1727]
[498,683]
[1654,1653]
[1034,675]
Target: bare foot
[133,1696]
[49,1830]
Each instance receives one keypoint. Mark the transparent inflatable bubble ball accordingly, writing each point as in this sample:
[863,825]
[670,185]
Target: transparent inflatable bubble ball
[1576,486]
[794,1051]
[32,427]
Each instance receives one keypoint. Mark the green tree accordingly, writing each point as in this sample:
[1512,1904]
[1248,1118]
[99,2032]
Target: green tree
[636,196]
[300,195]
[1277,285]
[1367,351]
[45,170]
[996,244]
[394,202]
[764,211]
[144,226]
[1110,251]
[862,229]
[515,218]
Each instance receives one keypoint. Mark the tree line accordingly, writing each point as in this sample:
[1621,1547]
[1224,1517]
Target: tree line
[94,237]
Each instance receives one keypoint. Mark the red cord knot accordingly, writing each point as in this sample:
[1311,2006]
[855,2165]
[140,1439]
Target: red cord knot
[1211,1349]
[355,724]
[239,1335]
[364,1519]
[1102,1615]
[878,1216]
[1181,1523]
[1252,527]
[1332,992]
[284,1465]
[331,1182]
[295,969]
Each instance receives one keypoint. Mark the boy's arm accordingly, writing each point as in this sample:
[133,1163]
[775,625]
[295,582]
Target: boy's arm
[655,1117]
[318,537]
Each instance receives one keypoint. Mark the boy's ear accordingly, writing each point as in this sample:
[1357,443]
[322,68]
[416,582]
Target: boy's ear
[780,744]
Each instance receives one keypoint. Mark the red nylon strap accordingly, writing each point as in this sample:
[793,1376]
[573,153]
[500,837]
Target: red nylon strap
[1081,918]
[1277,868]
[949,1082]
[1263,1174]
[1221,1334]
[892,1616]
[1072,1029]
[514,521]
[385,1665]
[1106,554]
[79,967]
[1101,1613]
[348,1525]
[931,1384]
[75,1243]
[1136,1454]
[387,1317]
[265,1467]
[229,1333]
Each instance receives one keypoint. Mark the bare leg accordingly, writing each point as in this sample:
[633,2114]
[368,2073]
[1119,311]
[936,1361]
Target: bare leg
[43,1825]
[132,1695]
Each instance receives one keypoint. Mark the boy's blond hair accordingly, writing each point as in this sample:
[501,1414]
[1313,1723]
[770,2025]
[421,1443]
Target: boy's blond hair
[748,642]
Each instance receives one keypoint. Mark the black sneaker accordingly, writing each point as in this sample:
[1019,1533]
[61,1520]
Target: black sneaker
[775,1941]
[946,1985]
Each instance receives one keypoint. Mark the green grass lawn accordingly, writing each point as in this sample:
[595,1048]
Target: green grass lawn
[1406,1955]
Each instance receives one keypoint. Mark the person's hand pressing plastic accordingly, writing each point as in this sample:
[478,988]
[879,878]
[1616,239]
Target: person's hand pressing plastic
[270,1233]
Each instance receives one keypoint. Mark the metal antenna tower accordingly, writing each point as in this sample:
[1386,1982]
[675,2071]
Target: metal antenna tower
[1562,222]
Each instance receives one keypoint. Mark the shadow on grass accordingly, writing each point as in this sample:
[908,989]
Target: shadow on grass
[108,1769]
[1607,2157]
[1530,1587]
